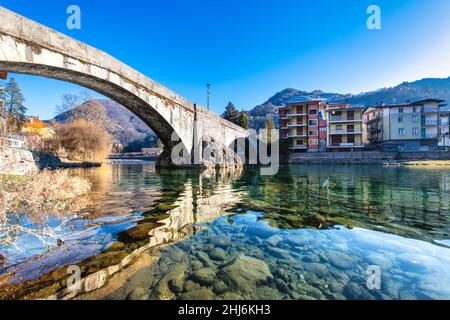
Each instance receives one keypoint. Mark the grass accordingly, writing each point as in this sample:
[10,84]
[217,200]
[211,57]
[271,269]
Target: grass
[45,193]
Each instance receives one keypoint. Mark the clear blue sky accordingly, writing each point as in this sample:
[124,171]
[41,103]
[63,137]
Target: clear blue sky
[250,49]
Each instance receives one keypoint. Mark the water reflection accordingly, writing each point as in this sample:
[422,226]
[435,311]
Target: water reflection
[142,210]
[309,232]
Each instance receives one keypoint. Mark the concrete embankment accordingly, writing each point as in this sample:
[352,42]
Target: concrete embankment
[17,162]
[368,157]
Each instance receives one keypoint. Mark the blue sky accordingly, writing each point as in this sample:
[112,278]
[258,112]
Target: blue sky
[250,49]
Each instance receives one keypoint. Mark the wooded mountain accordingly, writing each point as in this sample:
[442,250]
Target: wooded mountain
[121,124]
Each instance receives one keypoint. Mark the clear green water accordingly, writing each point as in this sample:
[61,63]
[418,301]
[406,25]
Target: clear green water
[310,232]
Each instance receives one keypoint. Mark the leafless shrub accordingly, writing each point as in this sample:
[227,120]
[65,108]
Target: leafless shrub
[83,141]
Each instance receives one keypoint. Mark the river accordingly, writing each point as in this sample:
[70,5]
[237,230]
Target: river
[309,232]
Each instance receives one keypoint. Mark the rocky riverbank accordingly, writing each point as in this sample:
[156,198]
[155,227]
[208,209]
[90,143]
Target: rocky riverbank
[23,162]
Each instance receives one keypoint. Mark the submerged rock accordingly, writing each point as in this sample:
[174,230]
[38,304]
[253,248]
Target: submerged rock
[220,287]
[199,294]
[138,294]
[191,285]
[278,253]
[196,265]
[318,269]
[274,240]
[231,296]
[221,241]
[341,260]
[204,276]
[244,273]
[218,254]
[163,291]
[353,291]
[203,257]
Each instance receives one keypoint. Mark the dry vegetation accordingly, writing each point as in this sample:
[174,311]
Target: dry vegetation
[47,192]
[82,140]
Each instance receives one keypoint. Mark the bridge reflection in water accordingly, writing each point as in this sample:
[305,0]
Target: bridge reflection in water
[174,202]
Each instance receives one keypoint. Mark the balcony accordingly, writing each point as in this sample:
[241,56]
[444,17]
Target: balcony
[374,119]
[300,147]
[293,125]
[290,115]
[429,123]
[429,110]
[344,119]
[429,136]
[346,145]
[296,135]
[355,131]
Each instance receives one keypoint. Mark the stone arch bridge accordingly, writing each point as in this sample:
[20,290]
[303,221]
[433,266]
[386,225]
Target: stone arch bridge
[30,48]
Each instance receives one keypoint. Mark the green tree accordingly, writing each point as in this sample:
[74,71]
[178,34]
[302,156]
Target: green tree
[244,120]
[15,107]
[232,114]
[269,126]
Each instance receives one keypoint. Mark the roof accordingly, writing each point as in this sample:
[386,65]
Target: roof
[409,104]
[348,107]
[302,100]
[428,100]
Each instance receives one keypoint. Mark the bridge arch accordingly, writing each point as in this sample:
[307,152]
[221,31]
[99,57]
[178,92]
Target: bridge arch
[30,48]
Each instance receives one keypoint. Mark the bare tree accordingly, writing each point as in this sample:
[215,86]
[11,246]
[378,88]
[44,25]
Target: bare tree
[68,102]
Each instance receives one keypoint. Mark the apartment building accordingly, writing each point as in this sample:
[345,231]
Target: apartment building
[444,127]
[409,126]
[303,125]
[345,127]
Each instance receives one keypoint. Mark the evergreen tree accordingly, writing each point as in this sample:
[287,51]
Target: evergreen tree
[244,120]
[232,114]
[269,126]
[15,107]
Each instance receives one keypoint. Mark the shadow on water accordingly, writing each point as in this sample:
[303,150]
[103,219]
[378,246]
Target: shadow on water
[309,232]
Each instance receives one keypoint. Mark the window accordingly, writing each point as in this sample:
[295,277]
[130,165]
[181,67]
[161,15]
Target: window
[313,122]
[339,127]
[415,109]
[400,110]
[313,142]
[415,118]
[415,131]
[313,132]
[312,112]
[351,139]
[401,131]
[351,128]
[299,142]
[401,119]
[351,115]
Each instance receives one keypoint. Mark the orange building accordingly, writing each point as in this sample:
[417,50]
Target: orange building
[35,125]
